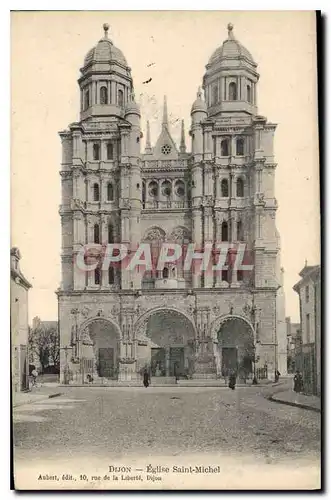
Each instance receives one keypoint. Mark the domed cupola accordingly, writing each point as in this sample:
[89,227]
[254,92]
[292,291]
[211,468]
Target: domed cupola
[230,79]
[199,105]
[106,81]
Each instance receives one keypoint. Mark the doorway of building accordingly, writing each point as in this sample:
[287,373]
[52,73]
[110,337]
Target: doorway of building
[170,336]
[158,362]
[103,355]
[176,361]
[236,344]
[106,362]
[229,359]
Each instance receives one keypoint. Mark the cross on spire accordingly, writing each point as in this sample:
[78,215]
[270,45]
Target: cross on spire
[230,32]
[105,29]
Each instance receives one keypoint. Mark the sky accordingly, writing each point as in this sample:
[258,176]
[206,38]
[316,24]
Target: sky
[47,51]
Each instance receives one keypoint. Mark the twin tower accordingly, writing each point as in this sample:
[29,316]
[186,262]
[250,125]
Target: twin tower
[113,190]
[223,191]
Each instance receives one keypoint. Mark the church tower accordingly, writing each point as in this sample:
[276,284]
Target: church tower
[233,170]
[117,320]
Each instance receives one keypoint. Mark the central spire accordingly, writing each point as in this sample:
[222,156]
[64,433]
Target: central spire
[165,113]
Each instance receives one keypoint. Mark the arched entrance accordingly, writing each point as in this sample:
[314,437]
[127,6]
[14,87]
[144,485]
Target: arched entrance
[100,349]
[169,339]
[236,346]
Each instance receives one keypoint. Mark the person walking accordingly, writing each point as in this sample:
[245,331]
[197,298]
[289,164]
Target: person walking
[298,382]
[176,372]
[277,375]
[232,380]
[146,378]
[298,385]
[34,375]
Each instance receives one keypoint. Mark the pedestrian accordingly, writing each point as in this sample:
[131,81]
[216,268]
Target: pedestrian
[34,375]
[298,382]
[277,375]
[146,378]
[176,372]
[232,380]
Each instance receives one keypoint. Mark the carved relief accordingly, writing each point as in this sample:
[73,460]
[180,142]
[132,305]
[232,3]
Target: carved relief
[154,234]
[179,234]
[85,311]
[207,201]
[85,337]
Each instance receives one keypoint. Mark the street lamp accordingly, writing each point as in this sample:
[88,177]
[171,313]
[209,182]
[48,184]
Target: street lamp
[254,310]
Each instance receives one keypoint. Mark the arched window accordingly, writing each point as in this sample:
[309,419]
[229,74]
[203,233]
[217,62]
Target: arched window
[110,192]
[120,98]
[111,275]
[110,151]
[225,147]
[240,188]
[96,151]
[103,95]
[153,189]
[225,188]
[215,95]
[240,236]
[97,276]
[240,143]
[225,232]
[110,233]
[96,231]
[232,92]
[165,273]
[96,194]
[249,93]
[86,99]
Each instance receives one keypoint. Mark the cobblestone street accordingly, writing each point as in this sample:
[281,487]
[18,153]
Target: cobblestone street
[116,425]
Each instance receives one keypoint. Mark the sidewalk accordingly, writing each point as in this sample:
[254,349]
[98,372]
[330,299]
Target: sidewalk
[291,398]
[35,395]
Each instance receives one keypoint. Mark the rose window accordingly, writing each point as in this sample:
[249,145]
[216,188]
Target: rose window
[166,149]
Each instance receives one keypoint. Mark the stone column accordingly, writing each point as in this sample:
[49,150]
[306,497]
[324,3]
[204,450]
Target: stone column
[167,361]
[109,92]
[94,93]
[113,92]
[208,238]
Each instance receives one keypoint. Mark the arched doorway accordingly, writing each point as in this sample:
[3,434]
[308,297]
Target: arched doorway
[169,344]
[236,346]
[100,349]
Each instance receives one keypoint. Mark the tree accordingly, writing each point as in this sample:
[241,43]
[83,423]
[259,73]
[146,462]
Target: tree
[44,344]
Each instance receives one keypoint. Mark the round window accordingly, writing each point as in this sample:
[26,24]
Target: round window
[166,149]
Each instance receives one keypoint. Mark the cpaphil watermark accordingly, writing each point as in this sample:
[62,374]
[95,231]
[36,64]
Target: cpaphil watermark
[146,257]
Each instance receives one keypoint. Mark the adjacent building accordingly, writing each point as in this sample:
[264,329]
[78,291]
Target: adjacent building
[309,291]
[293,335]
[19,327]
[114,321]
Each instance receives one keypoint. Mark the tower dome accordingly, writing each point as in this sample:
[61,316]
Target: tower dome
[132,107]
[199,104]
[231,49]
[230,79]
[105,51]
[105,81]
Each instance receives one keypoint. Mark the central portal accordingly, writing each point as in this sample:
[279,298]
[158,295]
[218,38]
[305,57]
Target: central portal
[170,337]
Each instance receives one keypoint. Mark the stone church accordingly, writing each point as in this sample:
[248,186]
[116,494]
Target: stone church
[116,322]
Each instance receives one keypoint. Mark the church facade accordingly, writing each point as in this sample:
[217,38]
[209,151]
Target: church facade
[117,321]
